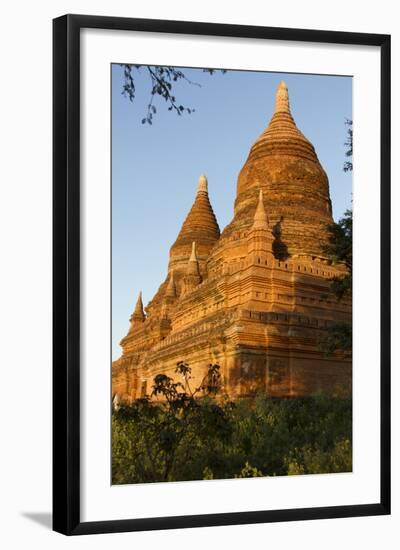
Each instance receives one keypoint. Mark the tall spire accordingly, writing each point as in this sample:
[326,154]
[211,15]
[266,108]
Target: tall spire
[282,137]
[260,217]
[138,315]
[282,99]
[200,225]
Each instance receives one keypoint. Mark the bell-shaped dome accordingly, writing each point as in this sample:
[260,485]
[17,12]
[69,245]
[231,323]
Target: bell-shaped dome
[284,165]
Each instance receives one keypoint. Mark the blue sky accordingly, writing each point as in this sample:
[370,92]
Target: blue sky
[155,168]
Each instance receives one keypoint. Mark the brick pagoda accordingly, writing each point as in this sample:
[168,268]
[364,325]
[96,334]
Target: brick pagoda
[256,298]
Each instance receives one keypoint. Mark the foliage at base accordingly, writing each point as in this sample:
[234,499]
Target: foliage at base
[200,434]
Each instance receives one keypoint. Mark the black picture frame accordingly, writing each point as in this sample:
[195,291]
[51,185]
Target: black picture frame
[66,273]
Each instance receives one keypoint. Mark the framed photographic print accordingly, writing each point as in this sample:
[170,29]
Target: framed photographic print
[221,274]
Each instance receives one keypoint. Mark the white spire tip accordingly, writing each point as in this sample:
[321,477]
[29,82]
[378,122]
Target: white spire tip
[203,184]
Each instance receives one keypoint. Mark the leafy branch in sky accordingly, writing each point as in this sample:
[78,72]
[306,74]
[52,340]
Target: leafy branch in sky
[163,81]
[348,165]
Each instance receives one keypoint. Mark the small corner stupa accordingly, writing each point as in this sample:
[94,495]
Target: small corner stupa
[254,299]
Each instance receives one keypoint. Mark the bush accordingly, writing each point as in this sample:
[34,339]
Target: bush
[200,434]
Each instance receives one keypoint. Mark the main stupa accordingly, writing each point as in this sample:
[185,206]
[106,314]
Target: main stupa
[256,298]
